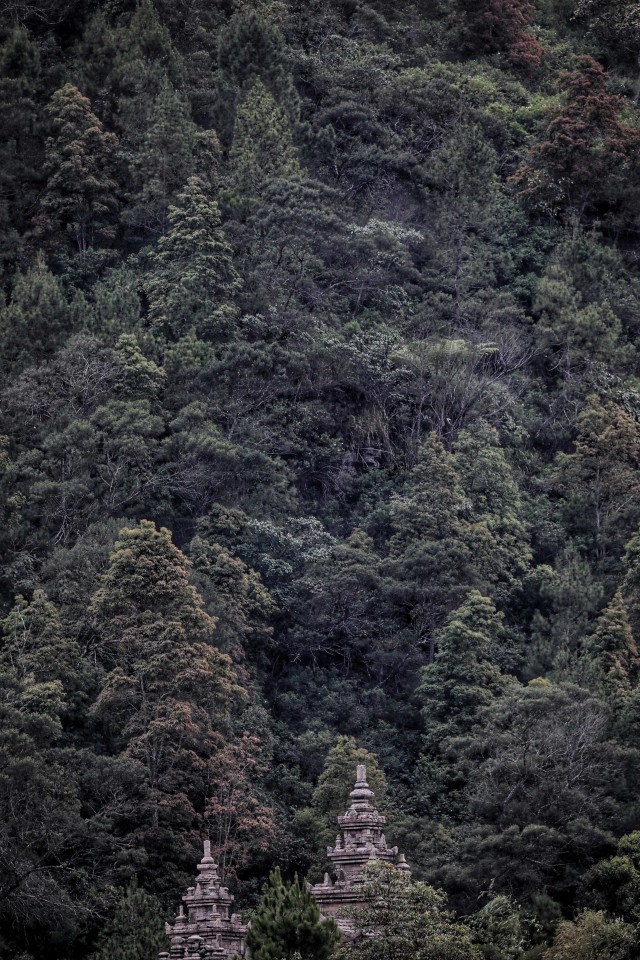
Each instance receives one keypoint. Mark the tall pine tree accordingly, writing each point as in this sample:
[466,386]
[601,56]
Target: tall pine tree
[136,930]
[287,923]
[192,274]
[80,199]
[167,691]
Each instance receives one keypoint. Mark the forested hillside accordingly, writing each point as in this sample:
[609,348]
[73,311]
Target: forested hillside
[320,443]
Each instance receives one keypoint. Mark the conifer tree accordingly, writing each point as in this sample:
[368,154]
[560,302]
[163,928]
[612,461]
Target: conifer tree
[584,167]
[192,275]
[35,646]
[35,320]
[287,922]
[136,376]
[599,482]
[21,146]
[235,594]
[262,148]
[117,306]
[463,679]
[125,67]
[44,841]
[441,546]
[631,583]
[573,334]
[330,798]
[331,795]
[250,48]
[136,931]
[80,198]
[167,691]
[612,662]
[569,597]
[165,161]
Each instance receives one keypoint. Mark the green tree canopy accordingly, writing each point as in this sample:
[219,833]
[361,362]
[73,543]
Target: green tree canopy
[167,691]
[80,200]
[192,274]
[136,930]
[262,148]
[287,923]
[402,918]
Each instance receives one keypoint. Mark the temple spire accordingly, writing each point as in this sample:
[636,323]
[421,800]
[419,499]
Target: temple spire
[361,795]
[206,925]
[361,840]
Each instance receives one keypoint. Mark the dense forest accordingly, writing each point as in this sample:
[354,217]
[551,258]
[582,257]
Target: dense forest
[320,444]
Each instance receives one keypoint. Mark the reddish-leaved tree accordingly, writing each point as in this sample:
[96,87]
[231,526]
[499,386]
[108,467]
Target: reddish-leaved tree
[583,167]
[502,26]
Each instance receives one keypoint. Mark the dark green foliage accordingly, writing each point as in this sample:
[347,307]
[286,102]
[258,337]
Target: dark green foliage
[612,659]
[80,200]
[136,931]
[287,923]
[166,690]
[36,319]
[21,152]
[463,679]
[538,775]
[345,295]
[614,884]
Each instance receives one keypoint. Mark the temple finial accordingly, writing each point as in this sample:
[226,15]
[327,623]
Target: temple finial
[361,794]
[207,849]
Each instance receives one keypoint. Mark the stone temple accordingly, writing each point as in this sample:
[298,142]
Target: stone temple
[359,841]
[205,928]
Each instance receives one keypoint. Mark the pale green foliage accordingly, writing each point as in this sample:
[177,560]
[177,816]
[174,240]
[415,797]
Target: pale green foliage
[593,937]
[262,146]
[497,930]
[331,795]
[401,919]
[192,273]
[136,376]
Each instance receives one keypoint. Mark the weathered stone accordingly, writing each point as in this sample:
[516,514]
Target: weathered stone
[361,839]
[205,928]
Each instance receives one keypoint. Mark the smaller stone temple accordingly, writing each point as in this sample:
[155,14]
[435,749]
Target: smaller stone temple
[205,928]
[359,841]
